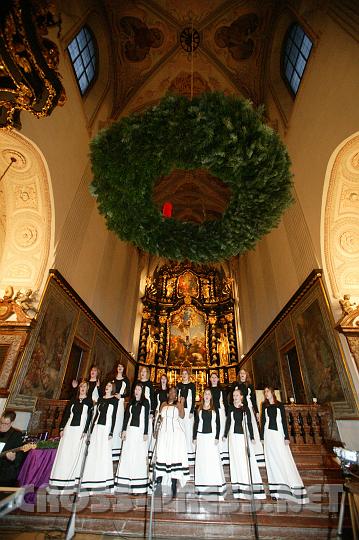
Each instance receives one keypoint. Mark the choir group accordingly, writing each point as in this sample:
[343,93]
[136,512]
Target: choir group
[161,433]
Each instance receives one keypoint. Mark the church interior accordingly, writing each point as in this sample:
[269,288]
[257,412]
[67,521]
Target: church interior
[182,266]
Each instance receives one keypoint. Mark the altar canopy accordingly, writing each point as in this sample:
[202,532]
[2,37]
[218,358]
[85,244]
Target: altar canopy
[188,321]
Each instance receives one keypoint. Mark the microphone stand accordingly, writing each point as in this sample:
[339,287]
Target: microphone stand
[249,469]
[70,529]
[153,482]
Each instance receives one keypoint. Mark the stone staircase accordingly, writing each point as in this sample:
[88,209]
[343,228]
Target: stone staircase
[189,516]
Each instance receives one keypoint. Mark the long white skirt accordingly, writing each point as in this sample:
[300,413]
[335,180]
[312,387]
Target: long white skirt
[65,473]
[150,440]
[171,458]
[208,471]
[116,440]
[132,472]
[257,447]
[223,445]
[283,477]
[240,477]
[187,423]
[98,473]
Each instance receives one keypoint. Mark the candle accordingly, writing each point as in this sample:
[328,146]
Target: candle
[315,400]
[291,399]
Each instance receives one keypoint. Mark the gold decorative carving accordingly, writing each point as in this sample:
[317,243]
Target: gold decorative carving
[29,62]
[227,286]
[14,342]
[223,348]
[193,332]
[206,289]
[170,286]
[151,346]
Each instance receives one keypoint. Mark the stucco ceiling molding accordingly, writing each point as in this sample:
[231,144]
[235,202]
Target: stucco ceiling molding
[341,221]
[27,213]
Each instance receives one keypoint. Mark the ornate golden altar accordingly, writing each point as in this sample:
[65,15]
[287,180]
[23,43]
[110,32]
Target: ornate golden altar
[188,321]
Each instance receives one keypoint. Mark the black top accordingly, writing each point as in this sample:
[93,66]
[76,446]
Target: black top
[217,393]
[183,392]
[118,384]
[102,408]
[134,408]
[243,387]
[152,393]
[160,396]
[10,469]
[75,406]
[206,422]
[272,414]
[238,413]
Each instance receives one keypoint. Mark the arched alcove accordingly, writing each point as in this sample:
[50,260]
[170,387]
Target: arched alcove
[26,216]
[340,220]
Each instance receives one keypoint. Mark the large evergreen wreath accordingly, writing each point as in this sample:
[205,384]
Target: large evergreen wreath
[224,135]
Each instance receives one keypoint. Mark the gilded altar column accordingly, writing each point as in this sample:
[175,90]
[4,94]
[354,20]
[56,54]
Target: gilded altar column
[161,349]
[231,337]
[143,337]
[212,319]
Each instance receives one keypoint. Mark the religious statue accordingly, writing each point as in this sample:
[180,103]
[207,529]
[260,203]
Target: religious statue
[151,346]
[24,300]
[170,286]
[19,304]
[8,294]
[150,286]
[223,348]
[227,286]
[346,305]
[206,290]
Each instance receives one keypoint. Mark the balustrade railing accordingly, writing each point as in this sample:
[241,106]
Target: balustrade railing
[309,424]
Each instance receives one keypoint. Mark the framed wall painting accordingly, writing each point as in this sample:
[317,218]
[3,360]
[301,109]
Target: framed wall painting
[266,365]
[42,367]
[284,332]
[323,364]
[105,356]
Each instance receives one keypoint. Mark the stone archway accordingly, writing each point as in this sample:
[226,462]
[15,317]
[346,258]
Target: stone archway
[340,220]
[26,230]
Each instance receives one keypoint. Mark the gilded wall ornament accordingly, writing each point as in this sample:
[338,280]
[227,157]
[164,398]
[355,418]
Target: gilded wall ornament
[29,61]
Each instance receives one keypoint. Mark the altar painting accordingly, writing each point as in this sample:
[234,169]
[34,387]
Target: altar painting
[187,285]
[187,341]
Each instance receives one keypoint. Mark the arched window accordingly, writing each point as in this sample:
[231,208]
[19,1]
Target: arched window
[296,51]
[82,51]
